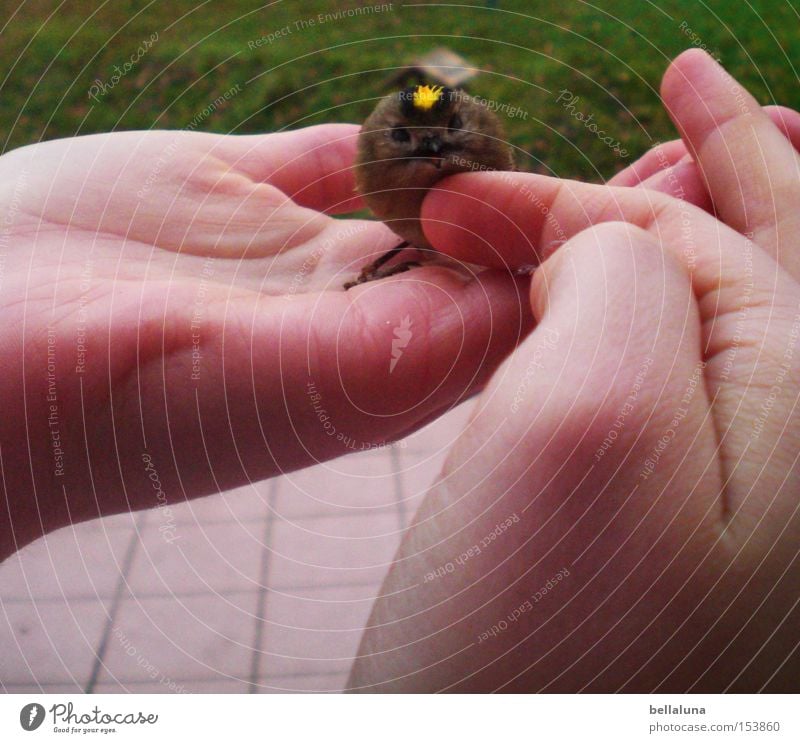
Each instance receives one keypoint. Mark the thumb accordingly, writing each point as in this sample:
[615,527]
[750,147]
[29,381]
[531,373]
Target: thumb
[609,304]
[617,320]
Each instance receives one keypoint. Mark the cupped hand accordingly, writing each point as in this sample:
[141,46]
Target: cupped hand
[621,513]
[173,313]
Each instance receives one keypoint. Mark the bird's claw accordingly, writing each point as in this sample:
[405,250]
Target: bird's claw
[365,276]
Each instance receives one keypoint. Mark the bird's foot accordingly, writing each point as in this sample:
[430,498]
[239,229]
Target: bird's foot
[399,268]
[373,271]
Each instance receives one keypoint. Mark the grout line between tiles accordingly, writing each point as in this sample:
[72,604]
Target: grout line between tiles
[116,601]
[260,680]
[144,595]
[261,683]
[262,589]
[399,490]
[349,512]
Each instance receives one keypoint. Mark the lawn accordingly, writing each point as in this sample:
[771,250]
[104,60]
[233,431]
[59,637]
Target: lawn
[232,67]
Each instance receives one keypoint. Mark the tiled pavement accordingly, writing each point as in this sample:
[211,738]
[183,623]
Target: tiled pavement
[266,588]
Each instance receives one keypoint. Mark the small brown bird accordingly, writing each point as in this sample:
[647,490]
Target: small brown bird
[412,139]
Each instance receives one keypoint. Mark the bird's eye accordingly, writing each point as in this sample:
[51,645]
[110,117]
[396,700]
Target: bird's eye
[400,134]
[455,122]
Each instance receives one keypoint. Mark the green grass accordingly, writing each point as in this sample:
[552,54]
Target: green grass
[610,54]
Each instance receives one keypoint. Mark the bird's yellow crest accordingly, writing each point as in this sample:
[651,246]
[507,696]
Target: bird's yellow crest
[426,96]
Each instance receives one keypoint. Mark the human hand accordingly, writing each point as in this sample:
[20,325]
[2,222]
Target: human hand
[173,314]
[621,511]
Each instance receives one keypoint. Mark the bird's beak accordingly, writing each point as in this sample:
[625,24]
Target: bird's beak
[430,146]
[430,149]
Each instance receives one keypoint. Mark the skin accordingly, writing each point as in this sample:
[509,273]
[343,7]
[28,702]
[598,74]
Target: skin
[126,255]
[630,475]
[677,587]
[394,179]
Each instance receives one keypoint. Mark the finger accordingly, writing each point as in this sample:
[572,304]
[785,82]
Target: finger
[750,169]
[278,383]
[194,192]
[788,121]
[382,357]
[658,158]
[517,219]
[668,154]
[681,181]
[667,168]
[670,168]
[529,454]
[312,166]
[745,299]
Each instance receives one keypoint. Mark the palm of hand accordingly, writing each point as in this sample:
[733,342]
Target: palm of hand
[193,283]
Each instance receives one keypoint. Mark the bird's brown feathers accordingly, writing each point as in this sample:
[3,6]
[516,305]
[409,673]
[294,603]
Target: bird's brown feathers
[404,149]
